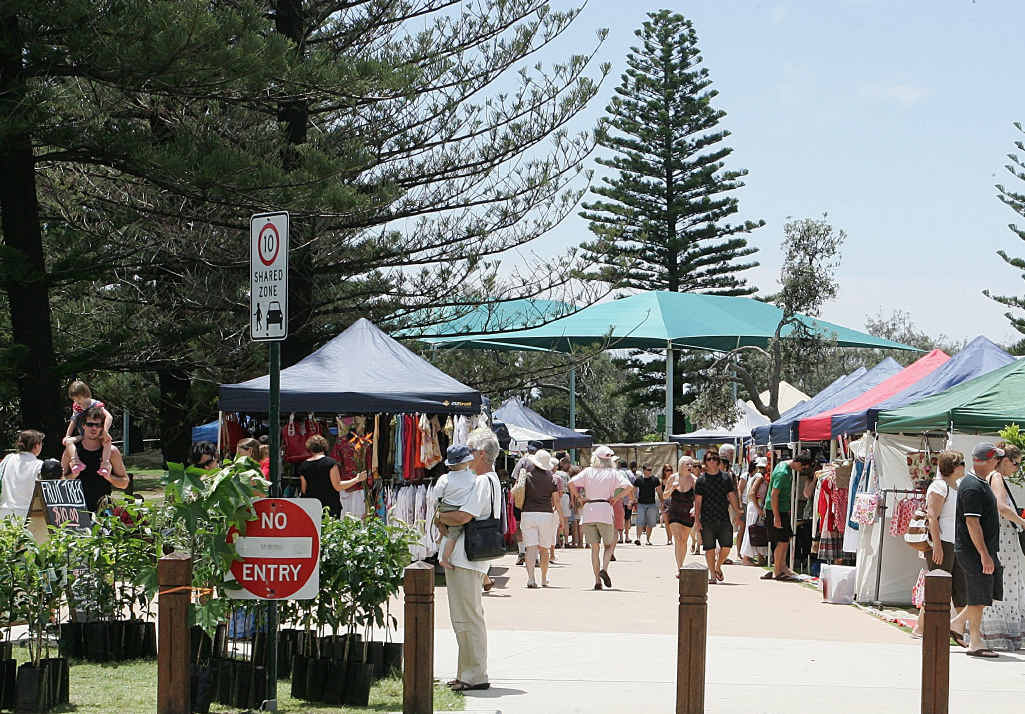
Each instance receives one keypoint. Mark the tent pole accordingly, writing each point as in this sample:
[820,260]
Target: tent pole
[669,390]
[573,405]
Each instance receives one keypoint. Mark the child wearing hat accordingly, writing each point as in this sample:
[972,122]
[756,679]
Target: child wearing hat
[453,490]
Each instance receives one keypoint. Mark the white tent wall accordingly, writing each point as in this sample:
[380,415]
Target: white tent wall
[900,563]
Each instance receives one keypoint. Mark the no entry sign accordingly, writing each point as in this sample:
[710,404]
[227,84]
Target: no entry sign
[268,271]
[280,551]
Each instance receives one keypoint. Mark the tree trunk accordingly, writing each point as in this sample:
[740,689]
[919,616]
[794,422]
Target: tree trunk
[175,431]
[25,281]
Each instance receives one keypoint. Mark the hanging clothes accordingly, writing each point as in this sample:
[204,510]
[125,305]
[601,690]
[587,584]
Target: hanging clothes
[293,441]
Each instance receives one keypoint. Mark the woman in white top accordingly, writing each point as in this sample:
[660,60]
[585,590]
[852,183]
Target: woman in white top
[20,472]
[1003,622]
[757,487]
[941,505]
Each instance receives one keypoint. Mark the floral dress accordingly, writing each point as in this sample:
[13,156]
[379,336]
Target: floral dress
[1003,622]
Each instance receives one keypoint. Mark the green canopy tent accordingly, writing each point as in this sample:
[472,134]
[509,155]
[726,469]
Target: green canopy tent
[983,405]
[665,321]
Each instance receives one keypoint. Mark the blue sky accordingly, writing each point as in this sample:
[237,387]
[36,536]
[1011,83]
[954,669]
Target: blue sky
[895,118]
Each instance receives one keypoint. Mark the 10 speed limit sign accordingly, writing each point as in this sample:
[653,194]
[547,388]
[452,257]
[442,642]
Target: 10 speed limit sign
[268,271]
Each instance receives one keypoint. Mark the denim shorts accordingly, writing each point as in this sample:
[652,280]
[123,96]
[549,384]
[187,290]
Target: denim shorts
[646,515]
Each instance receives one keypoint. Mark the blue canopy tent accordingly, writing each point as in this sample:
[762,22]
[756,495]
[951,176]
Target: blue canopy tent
[784,429]
[205,432]
[761,433]
[514,413]
[979,357]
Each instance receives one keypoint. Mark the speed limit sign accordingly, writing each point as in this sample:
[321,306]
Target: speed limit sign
[268,270]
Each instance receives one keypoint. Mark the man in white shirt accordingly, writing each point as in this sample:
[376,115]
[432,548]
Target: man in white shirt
[466,577]
[601,484]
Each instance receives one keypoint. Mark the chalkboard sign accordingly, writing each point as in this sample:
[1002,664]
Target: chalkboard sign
[63,501]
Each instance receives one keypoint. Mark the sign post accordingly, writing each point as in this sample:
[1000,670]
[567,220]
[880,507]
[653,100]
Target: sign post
[268,306]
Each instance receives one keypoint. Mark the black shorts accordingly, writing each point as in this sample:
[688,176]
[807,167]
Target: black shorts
[720,532]
[973,585]
[782,534]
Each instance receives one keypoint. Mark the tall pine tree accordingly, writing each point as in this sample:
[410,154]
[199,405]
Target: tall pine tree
[662,220]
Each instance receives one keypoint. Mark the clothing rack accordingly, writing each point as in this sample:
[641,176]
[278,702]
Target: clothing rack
[881,517]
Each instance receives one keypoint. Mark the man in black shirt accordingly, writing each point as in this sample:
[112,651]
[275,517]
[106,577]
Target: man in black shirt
[648,487]
[714,493]
[90,450]
[976,544]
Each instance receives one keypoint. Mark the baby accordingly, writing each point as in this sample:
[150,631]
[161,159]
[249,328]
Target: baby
[81,401]
[453,490]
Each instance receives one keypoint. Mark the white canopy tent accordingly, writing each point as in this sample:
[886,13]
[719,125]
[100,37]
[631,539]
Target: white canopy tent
[736,433]
[789,397]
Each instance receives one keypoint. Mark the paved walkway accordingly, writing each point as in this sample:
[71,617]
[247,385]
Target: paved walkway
[773,647]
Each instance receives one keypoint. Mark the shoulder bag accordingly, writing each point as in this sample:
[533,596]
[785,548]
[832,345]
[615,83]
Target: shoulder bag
[483,539]
[1019,531]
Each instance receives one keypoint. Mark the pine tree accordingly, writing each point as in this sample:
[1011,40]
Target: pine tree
[1015,200]
[662,221]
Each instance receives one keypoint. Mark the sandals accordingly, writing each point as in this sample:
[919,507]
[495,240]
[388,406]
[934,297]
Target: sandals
[982,654]
[787,579]
[597,586]
[77,468]
[719,575]
[958,637]
[604,575]
[464,687]
[769,576]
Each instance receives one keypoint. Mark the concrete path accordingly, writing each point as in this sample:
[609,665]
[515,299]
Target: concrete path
[773,647]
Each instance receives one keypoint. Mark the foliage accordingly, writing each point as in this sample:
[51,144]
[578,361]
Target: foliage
[811,257]
[201,509]
[1013,434]
[1015,200]
[661,222]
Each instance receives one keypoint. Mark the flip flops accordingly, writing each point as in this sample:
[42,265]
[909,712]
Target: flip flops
[769,576]
[464,687]
[982,654]
[958,637]
[787,579]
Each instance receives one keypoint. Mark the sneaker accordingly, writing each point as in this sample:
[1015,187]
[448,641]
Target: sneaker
[604,575]
[637,542]
[597,586]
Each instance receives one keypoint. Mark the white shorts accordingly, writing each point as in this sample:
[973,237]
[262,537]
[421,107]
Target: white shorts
[538,529]
[353,503]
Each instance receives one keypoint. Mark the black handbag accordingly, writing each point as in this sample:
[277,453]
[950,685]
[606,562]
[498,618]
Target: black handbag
[1021,533]
[758,535]
[483,539]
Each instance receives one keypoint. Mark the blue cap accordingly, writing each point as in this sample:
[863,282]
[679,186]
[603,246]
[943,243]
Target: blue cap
[458,454]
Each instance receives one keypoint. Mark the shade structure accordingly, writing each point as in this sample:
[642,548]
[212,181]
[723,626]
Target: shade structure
[657,319]
[205,432]
[514,413]
[458,327]
[819,426]
[360,370]
[978,357]
[983,405]
[785,429]
[750,418]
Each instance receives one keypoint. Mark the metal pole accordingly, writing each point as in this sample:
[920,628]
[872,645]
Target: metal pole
[669,390]
[880,522]
[274,417]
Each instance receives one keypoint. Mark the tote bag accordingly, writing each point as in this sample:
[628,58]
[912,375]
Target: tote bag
[483,539]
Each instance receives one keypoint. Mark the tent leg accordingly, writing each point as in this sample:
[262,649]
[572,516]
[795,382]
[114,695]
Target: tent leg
[573,405]
[669,391]
[220,420]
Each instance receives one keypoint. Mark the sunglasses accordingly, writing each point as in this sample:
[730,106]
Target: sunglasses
[712,458]
[93,424]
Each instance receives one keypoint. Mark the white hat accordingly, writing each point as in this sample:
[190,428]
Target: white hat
[543,460]
[604,452]
[761,461]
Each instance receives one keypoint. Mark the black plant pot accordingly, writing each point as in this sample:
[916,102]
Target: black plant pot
[117,641]
[55,678]
[96,641]
[201,689]
[225,678]
[33,689]
[149,639]
[300,663]
[315,673]
[242,687]
[392,658]
[6,650]
[259,649]
[8,678]
[286,651]
[132,639]
[199,643]
[220,643]
[334,687]
[258,692]
[358,678]
[375,656]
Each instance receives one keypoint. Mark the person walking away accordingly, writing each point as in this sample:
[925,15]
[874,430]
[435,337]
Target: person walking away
[977,547]
[679,497]
[619,521]
[541,502]
[453,490]
[663,515]
[18,475]
[1003,624]
[575,507]
[602,483]
[941,509]
[778,519]
[532,448]
[649,488]
[465,580]
[90,453]
[629,502]
[320,477]
[757,487]
[742,482]
[81,401]
[714,493]
[562,474]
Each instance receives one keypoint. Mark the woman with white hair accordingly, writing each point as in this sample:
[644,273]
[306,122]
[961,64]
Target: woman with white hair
[679,495]
[598,487]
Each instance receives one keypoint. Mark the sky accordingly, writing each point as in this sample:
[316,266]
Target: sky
[894,118]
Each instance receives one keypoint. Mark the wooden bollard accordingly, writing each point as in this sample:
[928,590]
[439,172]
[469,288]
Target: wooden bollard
[936,643]
[174,576]
[692,639]
[418,647]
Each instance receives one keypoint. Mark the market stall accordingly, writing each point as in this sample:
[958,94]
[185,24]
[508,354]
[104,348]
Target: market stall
[525,425]
[737,433]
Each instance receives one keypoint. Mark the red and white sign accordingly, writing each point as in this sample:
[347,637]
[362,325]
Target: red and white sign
[280,551]
[268,271]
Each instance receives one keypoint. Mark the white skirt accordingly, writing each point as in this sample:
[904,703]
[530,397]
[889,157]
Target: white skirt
[747,550]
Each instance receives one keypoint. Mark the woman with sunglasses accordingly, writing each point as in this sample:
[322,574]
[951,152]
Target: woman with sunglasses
[1003,622]
[679,497]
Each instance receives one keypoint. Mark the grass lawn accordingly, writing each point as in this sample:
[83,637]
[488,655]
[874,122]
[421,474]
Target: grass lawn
[132,687]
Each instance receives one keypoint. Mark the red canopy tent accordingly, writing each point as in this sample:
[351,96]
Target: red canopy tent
[819,427]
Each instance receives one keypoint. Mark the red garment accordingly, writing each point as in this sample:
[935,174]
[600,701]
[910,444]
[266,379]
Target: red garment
[510,516]
[265,468]
[231,435]
[293,441]
[618,514]
[345,454]
[409,431]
